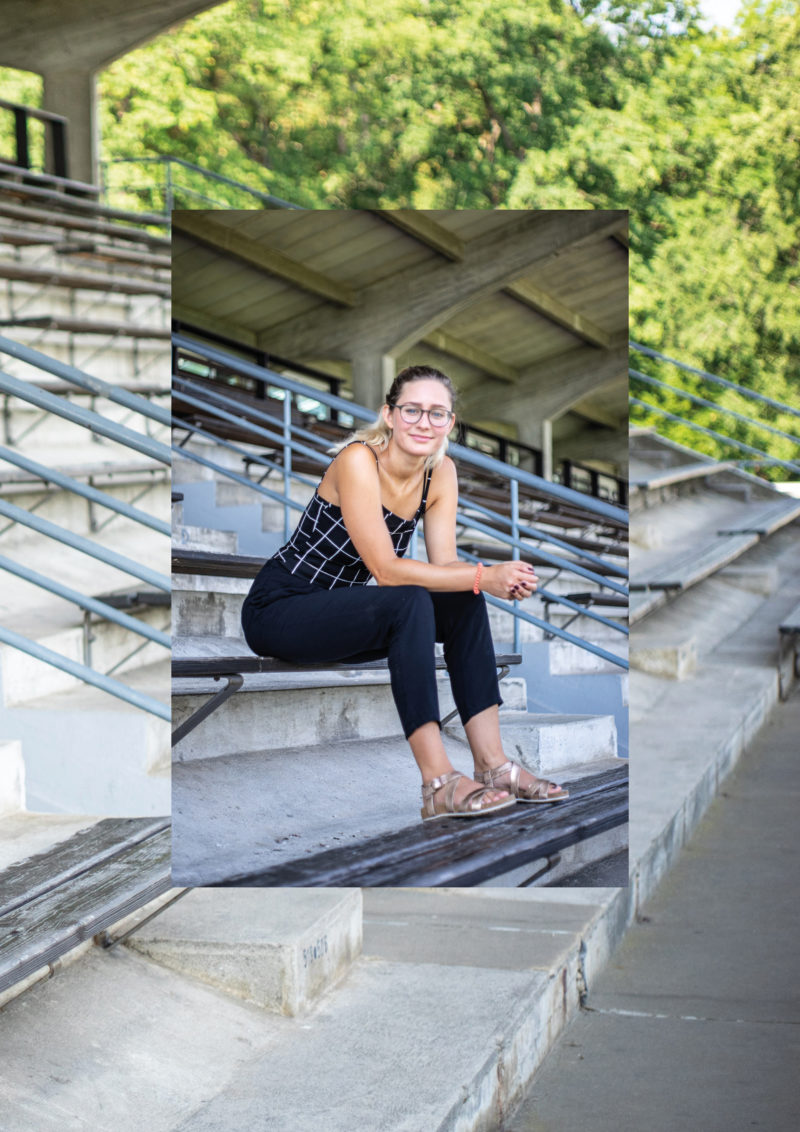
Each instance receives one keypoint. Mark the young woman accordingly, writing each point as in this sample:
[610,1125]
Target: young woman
[311,603]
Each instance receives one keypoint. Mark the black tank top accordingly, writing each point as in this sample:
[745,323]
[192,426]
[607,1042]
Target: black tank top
[320,550]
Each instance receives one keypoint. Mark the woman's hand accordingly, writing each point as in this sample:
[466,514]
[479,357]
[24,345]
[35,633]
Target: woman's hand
[509,580]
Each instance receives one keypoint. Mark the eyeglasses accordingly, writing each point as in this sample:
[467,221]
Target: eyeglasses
[438,418]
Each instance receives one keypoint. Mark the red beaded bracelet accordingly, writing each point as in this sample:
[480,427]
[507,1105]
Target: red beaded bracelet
[476,585]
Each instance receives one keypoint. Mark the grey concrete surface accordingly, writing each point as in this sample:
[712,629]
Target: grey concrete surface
[695,1023]
[279,950]
[116,1042]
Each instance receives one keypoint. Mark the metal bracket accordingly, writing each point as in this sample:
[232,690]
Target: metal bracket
[217,700]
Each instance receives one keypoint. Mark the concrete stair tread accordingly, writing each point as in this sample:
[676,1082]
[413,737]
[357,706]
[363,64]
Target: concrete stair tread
[152,679]
[387,1012]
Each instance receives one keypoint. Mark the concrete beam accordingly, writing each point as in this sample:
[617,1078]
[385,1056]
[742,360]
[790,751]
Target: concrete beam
[399,311]
[84,35]
[425,230]
[559,312]
[490,365]
[608,445]
[204,321]
[552,387]
[231,243]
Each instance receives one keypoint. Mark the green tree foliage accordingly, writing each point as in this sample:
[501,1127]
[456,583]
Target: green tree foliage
[525,104]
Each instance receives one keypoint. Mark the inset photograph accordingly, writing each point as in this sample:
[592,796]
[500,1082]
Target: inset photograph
[399,548]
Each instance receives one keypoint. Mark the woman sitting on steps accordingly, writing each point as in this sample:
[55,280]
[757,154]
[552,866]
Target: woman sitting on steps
[310,603]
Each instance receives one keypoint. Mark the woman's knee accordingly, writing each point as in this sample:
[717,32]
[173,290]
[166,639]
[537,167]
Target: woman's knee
[410,602]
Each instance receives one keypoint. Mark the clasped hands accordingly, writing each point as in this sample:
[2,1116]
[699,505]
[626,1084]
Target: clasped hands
[510,580]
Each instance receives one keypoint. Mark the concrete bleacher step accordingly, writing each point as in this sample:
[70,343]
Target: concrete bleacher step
[237,813]
[280,954]
[200,509]
[189,537]
[290,709]
[488,983]
[123,752]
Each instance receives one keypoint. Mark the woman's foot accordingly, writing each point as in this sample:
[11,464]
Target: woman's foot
[454,794]
[525,786]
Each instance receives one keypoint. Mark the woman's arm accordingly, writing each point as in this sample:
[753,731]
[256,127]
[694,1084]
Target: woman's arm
[359,493]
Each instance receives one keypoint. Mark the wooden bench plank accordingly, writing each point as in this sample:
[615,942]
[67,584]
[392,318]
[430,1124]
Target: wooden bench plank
[37,875]
[41,930]
[247,665]
[460,852]
[65,221]
[763,519]
[680,474]
[77,281]
[689,567]
[215,565]
[86,326]
[791,622]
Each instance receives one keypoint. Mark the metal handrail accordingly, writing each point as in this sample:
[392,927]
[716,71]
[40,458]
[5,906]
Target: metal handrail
[712,405]
[548,626]
[86,674]
[91,604]
[99,425]
[85,418]
[86,491]
[75,376]
[85,545]
[208,174]
[466,455]
[515,476]
[715,378]
[716,435]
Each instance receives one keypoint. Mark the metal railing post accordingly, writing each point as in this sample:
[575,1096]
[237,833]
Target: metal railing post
[517,551]
[168,197]
[287,461]
[21,137]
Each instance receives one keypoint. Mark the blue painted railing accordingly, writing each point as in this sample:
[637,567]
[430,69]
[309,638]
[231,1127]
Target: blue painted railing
[719,409]
[282,433]
[121,434]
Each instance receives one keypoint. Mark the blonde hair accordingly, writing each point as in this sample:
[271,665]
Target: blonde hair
[378,434]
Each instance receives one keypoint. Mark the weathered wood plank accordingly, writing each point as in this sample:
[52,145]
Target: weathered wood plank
[458,851]
[26,880]
[232,665]
[41,930]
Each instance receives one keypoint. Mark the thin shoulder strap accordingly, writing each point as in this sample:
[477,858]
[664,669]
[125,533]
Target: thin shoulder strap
[372,450]
[423,502]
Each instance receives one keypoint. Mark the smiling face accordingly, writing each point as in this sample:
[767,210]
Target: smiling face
[419,438]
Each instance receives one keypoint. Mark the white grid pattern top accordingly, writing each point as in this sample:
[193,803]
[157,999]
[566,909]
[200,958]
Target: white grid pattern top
[321,550]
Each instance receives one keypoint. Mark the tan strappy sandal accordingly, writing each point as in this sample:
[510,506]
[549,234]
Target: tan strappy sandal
[468,807]
[538,792]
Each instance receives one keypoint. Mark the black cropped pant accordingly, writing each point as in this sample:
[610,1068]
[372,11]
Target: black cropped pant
[287,617]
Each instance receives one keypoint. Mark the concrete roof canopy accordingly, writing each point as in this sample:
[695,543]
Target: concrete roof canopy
[527,312]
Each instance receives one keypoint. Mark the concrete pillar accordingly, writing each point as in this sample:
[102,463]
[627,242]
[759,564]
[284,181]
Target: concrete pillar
[539,434]
[373,373]
[72,93]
